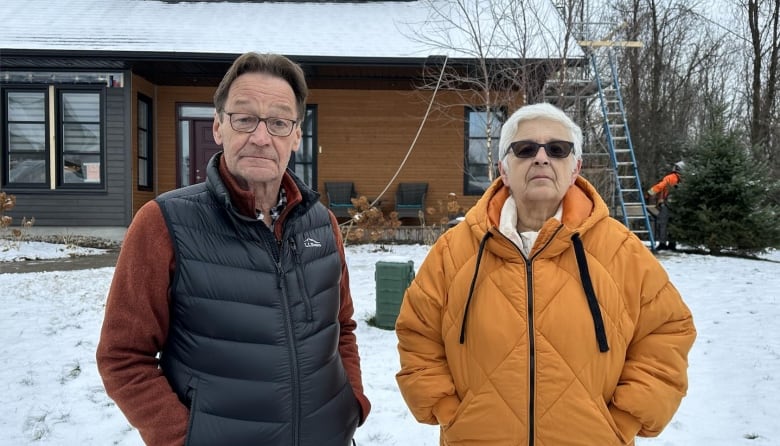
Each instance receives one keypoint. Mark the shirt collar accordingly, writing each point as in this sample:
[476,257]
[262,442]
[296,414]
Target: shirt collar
[508,226]
[276,211]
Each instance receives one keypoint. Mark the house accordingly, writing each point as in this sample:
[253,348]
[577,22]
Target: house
[107,104]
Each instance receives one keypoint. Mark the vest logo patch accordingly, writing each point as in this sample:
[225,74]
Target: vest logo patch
[311,243]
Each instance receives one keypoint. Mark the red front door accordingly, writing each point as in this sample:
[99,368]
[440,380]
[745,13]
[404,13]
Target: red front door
[204,148]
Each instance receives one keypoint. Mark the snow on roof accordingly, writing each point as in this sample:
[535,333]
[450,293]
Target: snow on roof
[382,29]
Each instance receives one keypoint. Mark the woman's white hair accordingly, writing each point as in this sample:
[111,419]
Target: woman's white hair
[540,110]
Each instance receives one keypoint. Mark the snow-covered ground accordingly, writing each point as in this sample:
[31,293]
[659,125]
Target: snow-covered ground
[51,394]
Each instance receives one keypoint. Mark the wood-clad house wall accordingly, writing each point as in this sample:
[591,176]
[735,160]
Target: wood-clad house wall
[167,145]
[363,137]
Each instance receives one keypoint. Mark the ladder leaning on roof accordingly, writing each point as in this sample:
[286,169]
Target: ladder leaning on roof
[631,206]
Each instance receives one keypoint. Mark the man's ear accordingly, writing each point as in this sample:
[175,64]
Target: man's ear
[215,129]
[296,144]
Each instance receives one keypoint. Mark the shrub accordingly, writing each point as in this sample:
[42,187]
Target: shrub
[369,223]
[721,203]
[449,210]
[8,202]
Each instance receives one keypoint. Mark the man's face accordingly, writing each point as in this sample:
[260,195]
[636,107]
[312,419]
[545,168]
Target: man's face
[257,157]
[540,180]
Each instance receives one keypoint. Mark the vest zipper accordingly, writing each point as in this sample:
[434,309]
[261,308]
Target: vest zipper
[301,282]
[293,353]
[192,395]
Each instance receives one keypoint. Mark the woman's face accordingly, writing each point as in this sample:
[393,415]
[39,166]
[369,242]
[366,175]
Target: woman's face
[541,180]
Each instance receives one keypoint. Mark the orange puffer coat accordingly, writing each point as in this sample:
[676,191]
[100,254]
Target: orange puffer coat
[550,350]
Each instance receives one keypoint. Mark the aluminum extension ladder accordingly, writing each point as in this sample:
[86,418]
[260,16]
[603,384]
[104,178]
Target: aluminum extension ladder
[630,204]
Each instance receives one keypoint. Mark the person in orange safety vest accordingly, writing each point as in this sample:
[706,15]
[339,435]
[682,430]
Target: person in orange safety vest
[660,194]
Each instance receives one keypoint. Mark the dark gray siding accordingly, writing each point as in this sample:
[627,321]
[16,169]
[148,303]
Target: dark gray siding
[108,207]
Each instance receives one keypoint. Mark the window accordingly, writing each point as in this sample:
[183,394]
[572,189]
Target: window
[482,132]
[76,151]
[145,144]
[25,137]
[80,136]
[304,161]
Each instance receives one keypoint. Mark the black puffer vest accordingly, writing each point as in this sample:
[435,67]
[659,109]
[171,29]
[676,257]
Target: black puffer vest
[252,348]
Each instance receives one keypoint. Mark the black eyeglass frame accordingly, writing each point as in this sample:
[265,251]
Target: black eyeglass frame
[259,120]
[553,149]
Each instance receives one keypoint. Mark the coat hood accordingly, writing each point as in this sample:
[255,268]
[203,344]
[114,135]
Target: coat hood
[583,207]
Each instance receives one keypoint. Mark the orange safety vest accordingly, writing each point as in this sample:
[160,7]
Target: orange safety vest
[664,187]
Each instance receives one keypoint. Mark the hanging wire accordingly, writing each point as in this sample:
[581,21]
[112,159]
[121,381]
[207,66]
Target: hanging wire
[408,152]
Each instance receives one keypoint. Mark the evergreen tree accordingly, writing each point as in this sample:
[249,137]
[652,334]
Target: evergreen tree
[722,202]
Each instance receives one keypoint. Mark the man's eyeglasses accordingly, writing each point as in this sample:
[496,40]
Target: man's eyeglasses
[553,149]
[247,123]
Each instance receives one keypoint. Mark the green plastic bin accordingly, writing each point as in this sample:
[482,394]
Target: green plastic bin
[392,280]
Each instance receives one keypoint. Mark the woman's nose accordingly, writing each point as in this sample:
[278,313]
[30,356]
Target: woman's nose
[541,157]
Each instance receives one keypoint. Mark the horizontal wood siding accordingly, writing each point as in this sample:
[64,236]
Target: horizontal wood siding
[88,208]
[364,137]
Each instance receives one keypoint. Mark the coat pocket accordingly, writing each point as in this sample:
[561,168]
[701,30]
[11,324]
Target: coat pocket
[192,398]
[450,430]
[611,422]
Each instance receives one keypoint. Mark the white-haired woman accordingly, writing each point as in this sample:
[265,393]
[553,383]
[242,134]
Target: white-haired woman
[540,319]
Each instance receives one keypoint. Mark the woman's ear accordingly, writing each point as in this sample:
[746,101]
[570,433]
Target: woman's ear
[576,171]
[503,173]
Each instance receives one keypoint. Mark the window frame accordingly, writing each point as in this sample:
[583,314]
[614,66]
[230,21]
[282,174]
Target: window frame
[6,139]
[54,150]
[149,138]
[308,140]
[59,143]
[499,115]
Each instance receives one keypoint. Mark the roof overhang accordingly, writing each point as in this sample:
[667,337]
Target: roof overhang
[180,68]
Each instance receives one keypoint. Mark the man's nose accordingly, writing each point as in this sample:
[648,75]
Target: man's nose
[260,135]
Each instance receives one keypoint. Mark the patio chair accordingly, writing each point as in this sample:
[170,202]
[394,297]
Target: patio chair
[340,195]
[410,200]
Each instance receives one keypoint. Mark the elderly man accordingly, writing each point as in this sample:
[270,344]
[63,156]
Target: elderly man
[222,326]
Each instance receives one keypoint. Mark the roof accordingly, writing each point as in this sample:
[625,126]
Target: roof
[360,29]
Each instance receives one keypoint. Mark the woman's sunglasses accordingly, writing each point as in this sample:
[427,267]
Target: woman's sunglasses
[553,149]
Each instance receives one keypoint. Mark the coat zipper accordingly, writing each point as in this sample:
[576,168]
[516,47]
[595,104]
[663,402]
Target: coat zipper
[531,337]
[531,353]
